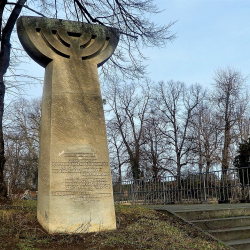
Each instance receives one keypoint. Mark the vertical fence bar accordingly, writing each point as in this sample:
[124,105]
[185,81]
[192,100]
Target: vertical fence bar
[8,187]
[247,184]
[204,186]
[164,192]
[192,187]
[132,193]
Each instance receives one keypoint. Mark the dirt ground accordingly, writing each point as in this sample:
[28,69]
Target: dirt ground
[137,228]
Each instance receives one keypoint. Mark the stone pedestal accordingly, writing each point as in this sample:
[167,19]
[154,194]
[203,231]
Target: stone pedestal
[74,184]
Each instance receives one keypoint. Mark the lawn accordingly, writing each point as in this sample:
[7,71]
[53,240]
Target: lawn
[137,228]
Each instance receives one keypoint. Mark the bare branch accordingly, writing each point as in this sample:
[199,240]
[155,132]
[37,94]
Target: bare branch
[27,7]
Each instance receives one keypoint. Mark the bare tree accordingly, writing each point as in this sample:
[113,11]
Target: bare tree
[117,150]
[156,149]
[128,105]
[177,104]
[6,28]
[206,132]
[22,143]
[230,100]
[243,128]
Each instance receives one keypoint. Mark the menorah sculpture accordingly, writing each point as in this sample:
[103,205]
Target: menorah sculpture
[74,180]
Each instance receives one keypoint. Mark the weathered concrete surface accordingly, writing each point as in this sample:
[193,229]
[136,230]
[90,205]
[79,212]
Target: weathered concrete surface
[74,185]
[225,222]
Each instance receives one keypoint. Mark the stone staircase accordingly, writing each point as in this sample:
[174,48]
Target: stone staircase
[231,225]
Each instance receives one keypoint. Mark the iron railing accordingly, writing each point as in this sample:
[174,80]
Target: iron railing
[231,185]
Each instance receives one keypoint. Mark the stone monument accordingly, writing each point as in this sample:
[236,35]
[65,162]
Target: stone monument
[74,184]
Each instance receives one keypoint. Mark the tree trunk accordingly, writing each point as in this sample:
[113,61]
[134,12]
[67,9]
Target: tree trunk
[3,187]
[224,180]
[4,64]
[208,166]
[226,147]
[135,167]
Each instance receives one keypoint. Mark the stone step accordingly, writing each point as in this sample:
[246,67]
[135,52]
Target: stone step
[239,244]
[228,223]
[230,234]
[212,214]
[222,223]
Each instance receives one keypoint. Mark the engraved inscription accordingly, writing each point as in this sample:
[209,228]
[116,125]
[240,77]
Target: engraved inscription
[79,155]
[78,184]
[85,177]
[72,193]
[81,196]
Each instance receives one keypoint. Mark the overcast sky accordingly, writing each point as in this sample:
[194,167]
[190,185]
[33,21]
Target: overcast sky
[211,34]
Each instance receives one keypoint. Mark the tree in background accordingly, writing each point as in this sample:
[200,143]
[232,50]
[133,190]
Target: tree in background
[206,134]
[243,127]
[117,150]
[177,105]
[230,100]
[128,105]
[156,149]
[22,121]
[6,28]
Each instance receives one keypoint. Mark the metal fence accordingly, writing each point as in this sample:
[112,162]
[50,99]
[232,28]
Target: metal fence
[225,186]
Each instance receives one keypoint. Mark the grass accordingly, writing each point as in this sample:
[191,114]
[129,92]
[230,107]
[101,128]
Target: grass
[137,228]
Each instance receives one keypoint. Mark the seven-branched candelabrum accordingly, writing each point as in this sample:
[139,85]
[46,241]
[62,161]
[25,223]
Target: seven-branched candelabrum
[45,39]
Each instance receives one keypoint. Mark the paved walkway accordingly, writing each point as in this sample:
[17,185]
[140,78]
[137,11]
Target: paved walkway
[198,207]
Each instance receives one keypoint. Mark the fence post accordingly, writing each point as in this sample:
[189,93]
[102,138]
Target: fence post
[8,188]
[132,193]
[164,194]
[204,184]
